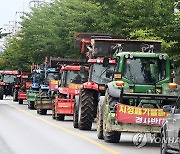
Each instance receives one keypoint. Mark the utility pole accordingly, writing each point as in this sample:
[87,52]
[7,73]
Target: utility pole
[37,3]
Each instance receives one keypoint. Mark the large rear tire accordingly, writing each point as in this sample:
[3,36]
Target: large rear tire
[15,95]
[86,110]
[110,136]
[1,92]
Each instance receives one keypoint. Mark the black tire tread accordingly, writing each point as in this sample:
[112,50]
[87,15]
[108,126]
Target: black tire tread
[99,124]
[15,95]
[87,109]
[42,111]
[1,92]
[60,117]
[20,101]
[75,117]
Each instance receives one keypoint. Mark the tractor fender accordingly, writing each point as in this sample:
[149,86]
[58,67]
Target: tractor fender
[113,91]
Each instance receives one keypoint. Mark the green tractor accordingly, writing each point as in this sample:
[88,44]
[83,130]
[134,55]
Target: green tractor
[38,78]
[142,84]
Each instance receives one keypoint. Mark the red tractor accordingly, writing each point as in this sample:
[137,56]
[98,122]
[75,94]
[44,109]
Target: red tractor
[99,48]
[72,77]
[7,81]
[21,85]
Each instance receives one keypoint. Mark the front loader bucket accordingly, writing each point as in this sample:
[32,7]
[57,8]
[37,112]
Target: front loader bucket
[88,36]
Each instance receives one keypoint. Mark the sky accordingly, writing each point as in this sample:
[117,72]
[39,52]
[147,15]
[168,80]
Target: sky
[8,9]
[10,13]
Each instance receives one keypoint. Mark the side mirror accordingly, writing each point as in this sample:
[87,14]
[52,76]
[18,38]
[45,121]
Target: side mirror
[168,108]
[105,62]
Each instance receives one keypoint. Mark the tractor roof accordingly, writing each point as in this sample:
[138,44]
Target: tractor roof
[142,54]
[38,70]
[100,61]
[73,68]
[58,61]
[88,36]
[52,70]
[11,72]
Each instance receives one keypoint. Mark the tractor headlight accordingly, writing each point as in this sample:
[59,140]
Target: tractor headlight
[160,57]
[126,56]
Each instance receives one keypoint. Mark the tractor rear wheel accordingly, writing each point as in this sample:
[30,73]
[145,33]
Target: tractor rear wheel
[42,111]
[85,110]
[60,117]
[15,95]
[20,101]
[1,92]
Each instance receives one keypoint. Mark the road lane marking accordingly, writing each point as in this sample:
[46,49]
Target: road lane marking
[69,131]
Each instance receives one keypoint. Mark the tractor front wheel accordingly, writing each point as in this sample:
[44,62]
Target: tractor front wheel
[110,136]
[31,105]
[20,101]
[60,117]
[53,112]
[1,92]
[42,111]
[85,110]
[15,95]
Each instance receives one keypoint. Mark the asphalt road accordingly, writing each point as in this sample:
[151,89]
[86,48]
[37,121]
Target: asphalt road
[23,131]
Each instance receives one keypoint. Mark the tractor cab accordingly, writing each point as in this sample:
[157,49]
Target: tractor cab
[98,72]
[8,79]
[73,75]
[38,78]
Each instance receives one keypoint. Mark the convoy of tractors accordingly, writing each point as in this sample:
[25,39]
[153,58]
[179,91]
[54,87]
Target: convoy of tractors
[123,85]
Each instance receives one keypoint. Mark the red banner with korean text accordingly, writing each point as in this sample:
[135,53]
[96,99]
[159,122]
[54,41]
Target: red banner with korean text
[137,115]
